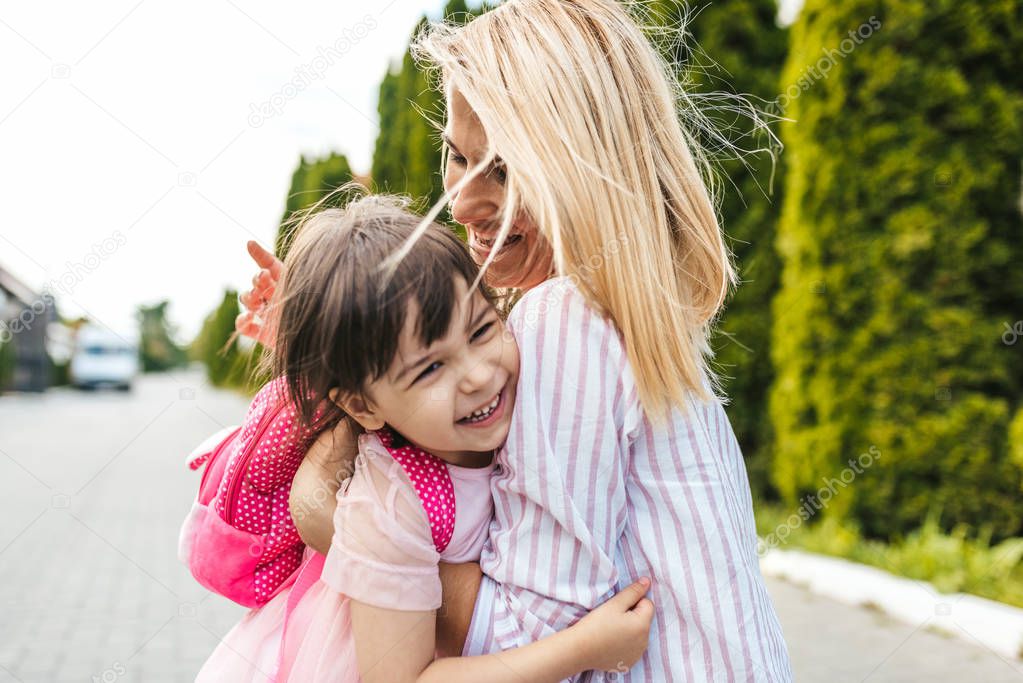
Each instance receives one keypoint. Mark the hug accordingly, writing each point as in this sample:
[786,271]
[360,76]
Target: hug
[531,475]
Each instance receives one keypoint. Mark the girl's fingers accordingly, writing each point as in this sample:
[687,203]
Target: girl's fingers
[629,597]
[644,609]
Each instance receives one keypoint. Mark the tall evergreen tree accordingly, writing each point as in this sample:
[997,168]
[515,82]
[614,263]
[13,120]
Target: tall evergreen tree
[741,50]
[157,350]
[407,155]
[901,243]
[312,180]
[211,346]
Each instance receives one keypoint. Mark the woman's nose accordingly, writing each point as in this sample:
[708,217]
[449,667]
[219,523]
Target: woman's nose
[474,203]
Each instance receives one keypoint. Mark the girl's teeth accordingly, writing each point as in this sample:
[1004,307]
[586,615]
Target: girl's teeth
[484,412]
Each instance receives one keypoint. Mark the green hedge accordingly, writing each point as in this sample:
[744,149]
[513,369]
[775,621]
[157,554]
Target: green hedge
[748,49]
[900,239]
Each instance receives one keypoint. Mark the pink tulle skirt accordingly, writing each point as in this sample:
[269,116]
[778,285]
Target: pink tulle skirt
[318,646]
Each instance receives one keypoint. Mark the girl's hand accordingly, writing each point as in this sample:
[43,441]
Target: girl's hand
[616,634]
[256,321]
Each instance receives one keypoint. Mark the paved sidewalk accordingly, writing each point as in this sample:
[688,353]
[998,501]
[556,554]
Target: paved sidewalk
[93,488]
[834,643]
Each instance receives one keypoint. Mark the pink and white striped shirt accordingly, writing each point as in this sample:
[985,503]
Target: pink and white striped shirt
[590,495]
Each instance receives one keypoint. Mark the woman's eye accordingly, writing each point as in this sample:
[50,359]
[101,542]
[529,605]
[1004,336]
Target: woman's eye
[456,158]
[482,331]
[427,372]
[500,173]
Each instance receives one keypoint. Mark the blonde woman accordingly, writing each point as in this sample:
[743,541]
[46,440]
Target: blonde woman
[577,183]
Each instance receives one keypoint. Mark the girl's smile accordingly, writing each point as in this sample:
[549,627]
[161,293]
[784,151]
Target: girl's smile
[454,397]
[486,415]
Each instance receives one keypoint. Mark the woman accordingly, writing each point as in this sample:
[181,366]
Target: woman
[567,163]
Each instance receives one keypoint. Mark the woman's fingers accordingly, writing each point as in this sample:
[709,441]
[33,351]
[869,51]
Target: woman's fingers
[246,324]
[264,259]
[261,294]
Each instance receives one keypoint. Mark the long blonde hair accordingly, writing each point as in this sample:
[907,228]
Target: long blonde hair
[583,111]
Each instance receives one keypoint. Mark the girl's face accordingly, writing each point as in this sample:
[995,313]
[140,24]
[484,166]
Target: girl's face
[525,259]
[456,396]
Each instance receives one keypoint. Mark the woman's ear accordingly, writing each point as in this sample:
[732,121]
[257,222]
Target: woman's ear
[359,408]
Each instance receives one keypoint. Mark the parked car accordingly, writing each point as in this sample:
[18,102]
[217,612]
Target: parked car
[102,358]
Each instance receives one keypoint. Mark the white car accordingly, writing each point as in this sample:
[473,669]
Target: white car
[102,358]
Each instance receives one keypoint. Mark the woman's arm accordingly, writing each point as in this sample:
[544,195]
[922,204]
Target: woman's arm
[397,647]
[313,494]
[460,583]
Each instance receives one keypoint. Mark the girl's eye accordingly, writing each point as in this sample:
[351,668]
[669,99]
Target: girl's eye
[427,372]
[482,331]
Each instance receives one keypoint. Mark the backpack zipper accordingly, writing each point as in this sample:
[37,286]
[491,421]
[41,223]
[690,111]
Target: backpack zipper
[236,484]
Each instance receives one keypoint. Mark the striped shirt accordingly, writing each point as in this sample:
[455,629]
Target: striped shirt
[590,495]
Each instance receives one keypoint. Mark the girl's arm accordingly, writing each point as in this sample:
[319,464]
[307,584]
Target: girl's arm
[398,647]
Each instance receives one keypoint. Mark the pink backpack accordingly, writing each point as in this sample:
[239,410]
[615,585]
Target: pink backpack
[239,540]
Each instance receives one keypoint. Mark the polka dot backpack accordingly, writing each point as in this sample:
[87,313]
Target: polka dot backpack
[239,540]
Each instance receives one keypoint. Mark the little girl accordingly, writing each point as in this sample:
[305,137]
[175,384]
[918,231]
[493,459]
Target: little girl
[418,358]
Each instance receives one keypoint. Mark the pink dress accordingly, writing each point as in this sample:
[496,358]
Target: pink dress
[384,553]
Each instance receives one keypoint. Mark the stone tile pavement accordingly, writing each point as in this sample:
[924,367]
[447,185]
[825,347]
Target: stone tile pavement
[93,488]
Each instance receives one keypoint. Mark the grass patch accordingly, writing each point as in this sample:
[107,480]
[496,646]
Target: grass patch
[955,562]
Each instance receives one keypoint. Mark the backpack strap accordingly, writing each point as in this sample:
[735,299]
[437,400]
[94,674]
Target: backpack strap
[432,482]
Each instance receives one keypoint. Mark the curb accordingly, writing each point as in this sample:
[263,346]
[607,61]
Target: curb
[990,624]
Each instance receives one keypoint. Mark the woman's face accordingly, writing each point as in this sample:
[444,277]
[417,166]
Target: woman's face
[525,260]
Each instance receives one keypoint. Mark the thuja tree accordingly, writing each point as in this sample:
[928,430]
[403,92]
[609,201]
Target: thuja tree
[312,180]
[901,241]
[728,48]
[407,156]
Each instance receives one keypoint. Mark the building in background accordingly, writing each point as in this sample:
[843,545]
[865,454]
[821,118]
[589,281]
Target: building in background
[24,317]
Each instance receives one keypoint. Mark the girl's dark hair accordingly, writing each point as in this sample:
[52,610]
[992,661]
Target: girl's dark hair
[340,313]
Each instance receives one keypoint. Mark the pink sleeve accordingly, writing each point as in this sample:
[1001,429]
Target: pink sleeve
[382,553]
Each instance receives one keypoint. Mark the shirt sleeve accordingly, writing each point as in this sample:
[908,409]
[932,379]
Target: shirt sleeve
[382,552]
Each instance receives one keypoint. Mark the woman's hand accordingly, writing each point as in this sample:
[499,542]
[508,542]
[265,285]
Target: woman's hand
[616,634]
[313,498]
[256,321]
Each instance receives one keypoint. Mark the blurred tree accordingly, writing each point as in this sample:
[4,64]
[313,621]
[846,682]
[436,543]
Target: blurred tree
[217,347]
[157,350]
[407,156]
[748,50]
[901,243]
[312,180]
[7,360]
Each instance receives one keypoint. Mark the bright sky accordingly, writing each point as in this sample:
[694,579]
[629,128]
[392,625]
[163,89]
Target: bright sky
[134,161]
[144,142]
